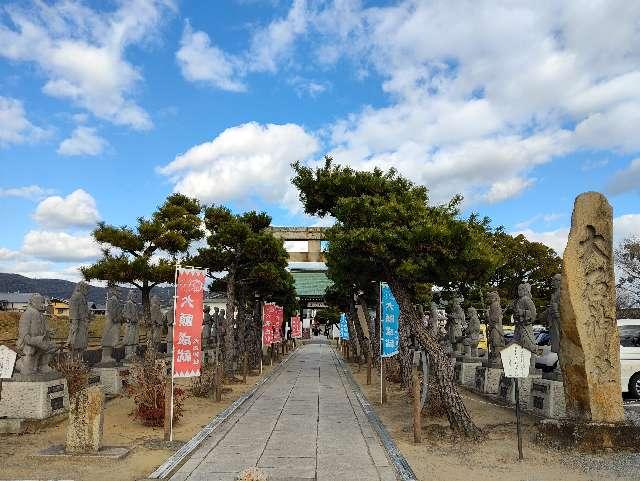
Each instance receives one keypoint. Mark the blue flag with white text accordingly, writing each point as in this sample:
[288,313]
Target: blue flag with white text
[389,317]
[344,329]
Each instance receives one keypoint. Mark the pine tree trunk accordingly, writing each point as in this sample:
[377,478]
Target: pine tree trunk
[365,342]
[229,332]
[146,315]
[375,339]
[441,364]
[406,361]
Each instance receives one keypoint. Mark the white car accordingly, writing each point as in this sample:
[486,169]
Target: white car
[629,330]
[630,355]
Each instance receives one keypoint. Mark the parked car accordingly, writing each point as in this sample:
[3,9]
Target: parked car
[630,355]
[629,330]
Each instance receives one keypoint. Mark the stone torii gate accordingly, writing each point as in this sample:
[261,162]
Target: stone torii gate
[313,235]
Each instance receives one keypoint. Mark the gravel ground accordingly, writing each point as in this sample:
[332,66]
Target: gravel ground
[620,464]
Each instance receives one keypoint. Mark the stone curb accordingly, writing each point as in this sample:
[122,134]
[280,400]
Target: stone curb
[400,463]
[177,459]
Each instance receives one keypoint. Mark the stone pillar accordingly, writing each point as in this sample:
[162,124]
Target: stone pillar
[590,346]
[86,419]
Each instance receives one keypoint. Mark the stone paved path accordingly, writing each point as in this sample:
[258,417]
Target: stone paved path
[305,423]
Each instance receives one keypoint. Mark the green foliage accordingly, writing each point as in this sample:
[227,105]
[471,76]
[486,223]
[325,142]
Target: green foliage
[386,229]
[127,252]
[524,261]
[243,246]
[329,315]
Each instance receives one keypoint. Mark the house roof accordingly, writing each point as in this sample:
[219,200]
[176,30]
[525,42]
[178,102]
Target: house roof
[310,284]
[16,297]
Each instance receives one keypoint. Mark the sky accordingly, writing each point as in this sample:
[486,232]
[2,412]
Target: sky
[107,107]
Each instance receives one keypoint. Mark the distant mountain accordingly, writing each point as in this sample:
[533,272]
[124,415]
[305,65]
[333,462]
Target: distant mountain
[63,289]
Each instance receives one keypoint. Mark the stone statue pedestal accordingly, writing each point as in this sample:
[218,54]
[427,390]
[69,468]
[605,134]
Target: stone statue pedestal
[86,420]
[465,373]
[507,390]
[111,378]
[36,396]
[488,379]
[547,398]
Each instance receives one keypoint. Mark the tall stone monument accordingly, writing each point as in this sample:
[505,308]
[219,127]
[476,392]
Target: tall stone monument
[590,347]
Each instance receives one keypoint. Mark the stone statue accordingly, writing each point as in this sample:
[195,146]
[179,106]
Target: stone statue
[112,322]
[155,329]
[34,339]
[524,317]
[434,321]
[79,320]
[472,333]
[206,326]
[170,317]
[495,333]
[455,326]
[590,347]
[553,314]
[130,318]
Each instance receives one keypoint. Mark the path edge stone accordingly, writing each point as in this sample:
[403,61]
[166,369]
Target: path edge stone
[400,463]
[171,465]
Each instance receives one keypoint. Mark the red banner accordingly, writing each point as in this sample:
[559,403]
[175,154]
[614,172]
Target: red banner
[269,317]
[277,325]
[187,325]
[296,327]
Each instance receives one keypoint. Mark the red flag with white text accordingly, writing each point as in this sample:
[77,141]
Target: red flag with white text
[187,325]
[269,317]
[296,327]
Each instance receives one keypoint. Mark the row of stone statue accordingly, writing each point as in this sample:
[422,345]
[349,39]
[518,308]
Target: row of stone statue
[459,334]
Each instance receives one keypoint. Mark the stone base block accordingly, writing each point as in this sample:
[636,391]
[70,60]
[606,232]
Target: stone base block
[488,379]
[589,437]
[86,420]
[107,452]
[466,373]
[507,390]
[111,378]
[208,355]
[33,399]
[547,398]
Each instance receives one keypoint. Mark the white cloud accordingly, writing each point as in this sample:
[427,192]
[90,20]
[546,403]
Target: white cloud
[507,189]
[78,209]
[7,254]
[479,93]
[626,180]
[32,192]
[200,61]
[304,86]
[249,159]
[82,51]
[556,239]
[60,246]
[15,128]
[624,226]
[83,141]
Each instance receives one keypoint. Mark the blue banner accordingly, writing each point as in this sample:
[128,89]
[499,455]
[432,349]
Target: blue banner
[344,329]
[389,317]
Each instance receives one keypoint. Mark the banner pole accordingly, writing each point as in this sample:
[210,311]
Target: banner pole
[380,336]
[175,296]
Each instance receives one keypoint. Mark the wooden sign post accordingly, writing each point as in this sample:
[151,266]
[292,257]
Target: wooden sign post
[516,361]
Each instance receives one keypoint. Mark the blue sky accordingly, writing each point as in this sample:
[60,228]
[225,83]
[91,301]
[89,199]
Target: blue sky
[107,107]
